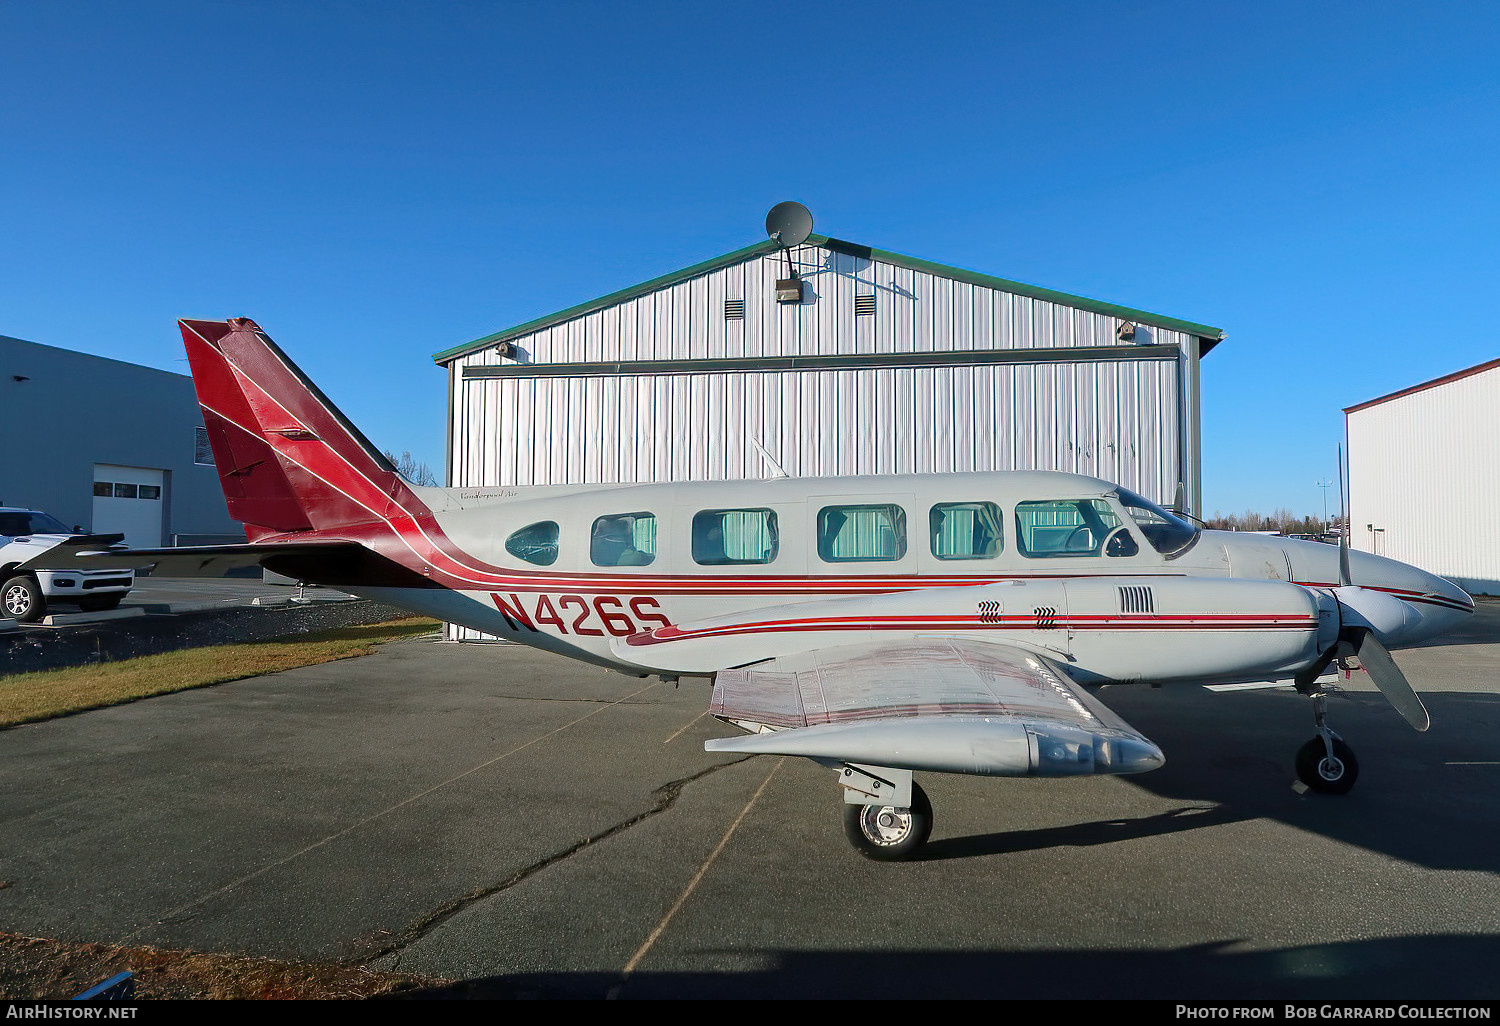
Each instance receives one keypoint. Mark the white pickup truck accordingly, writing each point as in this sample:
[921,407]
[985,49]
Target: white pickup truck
[25,594]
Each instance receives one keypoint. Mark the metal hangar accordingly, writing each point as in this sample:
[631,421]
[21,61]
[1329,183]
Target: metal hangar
[812,356]
[110,447]
[829,358]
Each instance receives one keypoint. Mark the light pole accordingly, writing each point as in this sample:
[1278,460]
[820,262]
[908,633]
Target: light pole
[1325,485]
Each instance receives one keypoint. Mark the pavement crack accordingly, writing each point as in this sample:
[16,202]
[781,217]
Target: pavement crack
[663,798]
[562,701]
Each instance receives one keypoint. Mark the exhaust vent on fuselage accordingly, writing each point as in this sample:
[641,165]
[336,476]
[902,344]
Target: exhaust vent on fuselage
[1136,599]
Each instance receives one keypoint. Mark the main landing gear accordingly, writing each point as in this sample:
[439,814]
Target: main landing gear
[884,832]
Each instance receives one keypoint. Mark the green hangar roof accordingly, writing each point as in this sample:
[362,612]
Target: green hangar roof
[1211,336]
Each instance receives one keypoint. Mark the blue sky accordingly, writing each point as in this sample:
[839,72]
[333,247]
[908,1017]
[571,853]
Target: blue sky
[375,182]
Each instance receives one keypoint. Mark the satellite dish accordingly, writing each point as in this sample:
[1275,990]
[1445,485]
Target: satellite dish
[789,223]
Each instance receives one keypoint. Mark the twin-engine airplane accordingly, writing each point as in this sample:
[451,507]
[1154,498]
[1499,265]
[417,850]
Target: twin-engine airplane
[953,623]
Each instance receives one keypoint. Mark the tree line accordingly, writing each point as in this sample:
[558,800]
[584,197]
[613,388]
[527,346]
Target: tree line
[1283,521]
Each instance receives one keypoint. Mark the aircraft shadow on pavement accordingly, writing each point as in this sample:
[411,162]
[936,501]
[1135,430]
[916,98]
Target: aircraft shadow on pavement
[1432,799]
[1078,835]
[1443,967]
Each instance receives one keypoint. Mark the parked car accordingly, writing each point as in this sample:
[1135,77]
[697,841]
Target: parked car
[26,594]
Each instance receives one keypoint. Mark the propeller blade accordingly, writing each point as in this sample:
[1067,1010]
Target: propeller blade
[1387,676]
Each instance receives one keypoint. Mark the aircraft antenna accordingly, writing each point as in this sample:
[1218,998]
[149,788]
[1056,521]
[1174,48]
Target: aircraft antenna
[768,457]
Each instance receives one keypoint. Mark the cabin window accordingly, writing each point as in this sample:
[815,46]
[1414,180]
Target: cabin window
[624,539]
[966,530]
[724,537]
[855,534]
[535,543]
[1071,527]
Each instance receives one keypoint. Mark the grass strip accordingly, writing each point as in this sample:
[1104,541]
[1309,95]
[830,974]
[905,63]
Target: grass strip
[33,968]
[29,697]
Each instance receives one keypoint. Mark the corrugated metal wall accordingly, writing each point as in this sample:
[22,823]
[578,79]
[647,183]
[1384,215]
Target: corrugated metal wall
[1115,420]
[1424,472]
[1119,419]
[1126,419]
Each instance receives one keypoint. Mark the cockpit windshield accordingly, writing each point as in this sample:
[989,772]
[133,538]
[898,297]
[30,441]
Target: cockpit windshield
[1167,532]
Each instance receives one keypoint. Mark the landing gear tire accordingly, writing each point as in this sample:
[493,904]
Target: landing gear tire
[888,834]
[21,600]
[1326,775]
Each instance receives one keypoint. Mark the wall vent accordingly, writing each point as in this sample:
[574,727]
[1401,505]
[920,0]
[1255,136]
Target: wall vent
[1136,599]
[864,304]
[734,309]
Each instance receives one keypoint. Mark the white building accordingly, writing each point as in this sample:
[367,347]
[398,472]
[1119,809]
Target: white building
[886,365]
[1424,476]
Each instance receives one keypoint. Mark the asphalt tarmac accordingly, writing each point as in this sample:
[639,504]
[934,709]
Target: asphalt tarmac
[527,826]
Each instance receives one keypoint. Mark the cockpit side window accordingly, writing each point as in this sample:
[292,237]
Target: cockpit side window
[1058,528]
[535,543]
[624,539]
[1167,532]
[966,530]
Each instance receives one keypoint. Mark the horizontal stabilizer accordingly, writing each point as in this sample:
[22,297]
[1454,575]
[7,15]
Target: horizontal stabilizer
[184,561]
[69,549]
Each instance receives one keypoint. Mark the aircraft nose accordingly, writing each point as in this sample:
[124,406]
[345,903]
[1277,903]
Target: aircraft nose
[1443,605]
[1451,595]
[1433,604]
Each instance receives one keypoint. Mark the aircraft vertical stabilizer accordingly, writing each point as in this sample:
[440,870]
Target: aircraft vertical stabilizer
[288,460]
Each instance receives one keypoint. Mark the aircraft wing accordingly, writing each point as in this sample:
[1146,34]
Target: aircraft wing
[92,552]
[931,703]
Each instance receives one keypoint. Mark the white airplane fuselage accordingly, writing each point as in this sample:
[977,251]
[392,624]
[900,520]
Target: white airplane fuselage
[1221,606]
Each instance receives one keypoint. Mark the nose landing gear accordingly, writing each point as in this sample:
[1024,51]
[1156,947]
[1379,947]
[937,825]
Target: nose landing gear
[1326,764]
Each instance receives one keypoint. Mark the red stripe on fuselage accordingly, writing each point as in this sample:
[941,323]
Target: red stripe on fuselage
[1222,622]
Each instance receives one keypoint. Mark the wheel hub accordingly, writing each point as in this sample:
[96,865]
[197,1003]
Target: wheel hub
[885,824]
[17,601]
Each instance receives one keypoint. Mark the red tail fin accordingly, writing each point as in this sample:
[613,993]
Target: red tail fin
[288,460]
